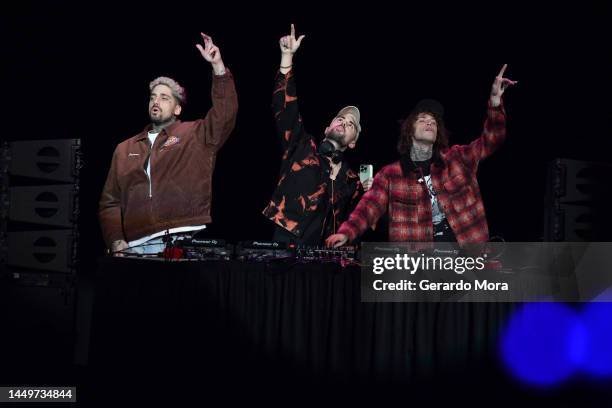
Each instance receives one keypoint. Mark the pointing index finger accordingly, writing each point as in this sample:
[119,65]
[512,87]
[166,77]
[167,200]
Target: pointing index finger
[501,72]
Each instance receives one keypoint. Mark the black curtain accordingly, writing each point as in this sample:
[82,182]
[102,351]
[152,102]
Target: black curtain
[299,328]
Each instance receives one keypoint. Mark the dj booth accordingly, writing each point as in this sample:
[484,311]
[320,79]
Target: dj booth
[246,325]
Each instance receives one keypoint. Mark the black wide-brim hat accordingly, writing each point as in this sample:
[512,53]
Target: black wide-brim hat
[429,106]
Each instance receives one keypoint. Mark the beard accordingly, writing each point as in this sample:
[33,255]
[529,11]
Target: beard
[336,137]
[159,120]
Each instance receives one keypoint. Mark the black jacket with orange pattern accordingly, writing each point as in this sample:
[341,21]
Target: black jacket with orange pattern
[304,186]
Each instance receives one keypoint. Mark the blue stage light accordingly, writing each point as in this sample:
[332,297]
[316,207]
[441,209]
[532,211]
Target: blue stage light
[543,343]
[597,354]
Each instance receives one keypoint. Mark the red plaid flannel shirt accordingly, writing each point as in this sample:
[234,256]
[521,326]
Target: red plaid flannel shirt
[454,181]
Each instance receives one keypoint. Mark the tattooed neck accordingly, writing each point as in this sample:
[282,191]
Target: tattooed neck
[158,127]
[421,152]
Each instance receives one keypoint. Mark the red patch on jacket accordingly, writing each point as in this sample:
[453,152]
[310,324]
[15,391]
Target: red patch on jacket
[172,140]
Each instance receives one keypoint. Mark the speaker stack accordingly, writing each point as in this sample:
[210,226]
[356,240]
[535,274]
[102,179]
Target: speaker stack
[577,201]
[39,209]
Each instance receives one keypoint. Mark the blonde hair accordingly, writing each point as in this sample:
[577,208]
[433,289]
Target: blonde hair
[177,90]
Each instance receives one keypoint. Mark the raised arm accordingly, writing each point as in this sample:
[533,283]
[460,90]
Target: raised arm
[288,46]
[221,117]
[494,130]
[287,117]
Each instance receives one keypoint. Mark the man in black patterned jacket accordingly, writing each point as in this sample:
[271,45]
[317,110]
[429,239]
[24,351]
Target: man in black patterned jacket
[317,189]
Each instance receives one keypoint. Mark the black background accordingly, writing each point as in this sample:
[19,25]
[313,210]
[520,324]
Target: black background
[82,71]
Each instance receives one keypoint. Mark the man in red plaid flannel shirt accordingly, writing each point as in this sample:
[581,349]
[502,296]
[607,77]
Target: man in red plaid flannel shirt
[432,192]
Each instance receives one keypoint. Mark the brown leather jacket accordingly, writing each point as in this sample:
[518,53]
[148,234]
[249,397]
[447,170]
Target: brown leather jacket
[182,162]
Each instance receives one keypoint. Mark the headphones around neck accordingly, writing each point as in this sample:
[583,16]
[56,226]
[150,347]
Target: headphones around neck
[327,149]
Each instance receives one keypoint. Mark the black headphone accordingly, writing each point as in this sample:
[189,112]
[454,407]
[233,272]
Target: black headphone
[327,149]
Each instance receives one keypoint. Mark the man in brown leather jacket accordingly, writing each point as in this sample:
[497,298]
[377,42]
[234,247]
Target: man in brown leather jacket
[159,181]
